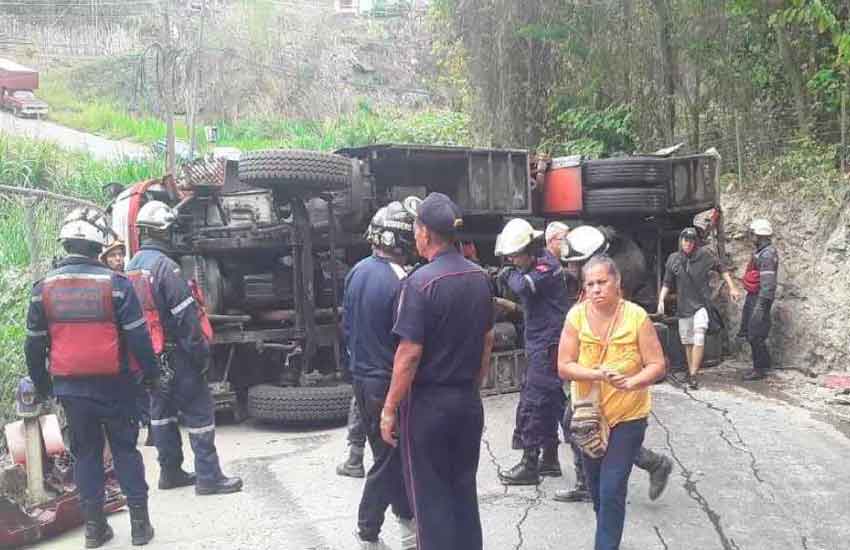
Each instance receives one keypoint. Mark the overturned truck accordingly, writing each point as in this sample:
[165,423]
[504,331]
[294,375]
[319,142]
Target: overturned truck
[270,237]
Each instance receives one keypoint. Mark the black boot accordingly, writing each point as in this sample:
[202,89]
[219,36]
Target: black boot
[353,465]
[141,530]
[223,486]
[149,437]
[549,464]
[659,467]
[578,494]
[97,530]
[174,477]
[527,472]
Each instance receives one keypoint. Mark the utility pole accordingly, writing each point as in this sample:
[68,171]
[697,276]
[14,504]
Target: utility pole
[167,91]
[196,82]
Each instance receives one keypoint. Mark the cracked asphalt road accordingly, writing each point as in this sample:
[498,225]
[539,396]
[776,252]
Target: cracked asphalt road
[751,472]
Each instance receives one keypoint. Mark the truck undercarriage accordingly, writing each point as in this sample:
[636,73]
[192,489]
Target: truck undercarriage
[270,237]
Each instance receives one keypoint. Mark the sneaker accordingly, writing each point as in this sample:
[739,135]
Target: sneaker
[754,375]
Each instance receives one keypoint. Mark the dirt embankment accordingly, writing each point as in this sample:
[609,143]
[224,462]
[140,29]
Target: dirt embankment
[811,317]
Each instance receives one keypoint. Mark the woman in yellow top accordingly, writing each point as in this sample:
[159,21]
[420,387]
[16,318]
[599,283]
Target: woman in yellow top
[632,361]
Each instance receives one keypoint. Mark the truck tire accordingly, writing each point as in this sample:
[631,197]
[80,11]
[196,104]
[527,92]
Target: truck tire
[300,405]
[295,170]
[630,172]
[625,201]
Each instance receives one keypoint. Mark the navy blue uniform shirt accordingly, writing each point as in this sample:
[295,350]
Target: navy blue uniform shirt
[371,292]
[446,305]
[131,329]
[177,308]
[543,292]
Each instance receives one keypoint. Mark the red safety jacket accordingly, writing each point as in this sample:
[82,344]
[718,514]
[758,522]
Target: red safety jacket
[83,331]
[203,319]
[752,278]
[143,285]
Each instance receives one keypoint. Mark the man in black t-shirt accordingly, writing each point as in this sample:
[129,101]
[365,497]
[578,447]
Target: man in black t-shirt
[688,270]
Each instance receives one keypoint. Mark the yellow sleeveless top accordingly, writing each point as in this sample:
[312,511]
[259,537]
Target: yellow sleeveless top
[623,355]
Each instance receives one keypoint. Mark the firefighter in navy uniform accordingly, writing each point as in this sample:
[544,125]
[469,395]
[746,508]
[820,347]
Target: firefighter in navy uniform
[760,279]
[371,293]
[85,322]
[180,338]
[445,328]
[537,278]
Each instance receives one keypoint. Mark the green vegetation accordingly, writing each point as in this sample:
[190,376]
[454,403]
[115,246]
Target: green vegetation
[104,116]
[362,127]
[28,163]
[100,115]
[13,306]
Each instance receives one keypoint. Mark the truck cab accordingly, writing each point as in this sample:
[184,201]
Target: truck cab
[17,86]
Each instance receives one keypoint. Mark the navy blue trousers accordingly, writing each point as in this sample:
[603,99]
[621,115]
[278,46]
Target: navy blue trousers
[541,404]
[440,432]
[191,398]
[91,422]
[608,481]
[756,330]
[356,430]
[384,486]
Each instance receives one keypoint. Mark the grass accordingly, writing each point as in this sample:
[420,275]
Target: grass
[13,305]
[101,115]
[28,163]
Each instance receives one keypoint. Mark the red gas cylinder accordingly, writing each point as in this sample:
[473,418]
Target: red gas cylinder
[562,187]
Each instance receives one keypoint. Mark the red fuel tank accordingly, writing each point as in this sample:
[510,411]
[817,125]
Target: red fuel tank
[562,187]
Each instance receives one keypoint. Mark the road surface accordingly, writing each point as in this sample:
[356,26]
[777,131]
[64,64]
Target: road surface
[751,472]
[70,139]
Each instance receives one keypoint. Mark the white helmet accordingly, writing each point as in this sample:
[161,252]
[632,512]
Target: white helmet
[584,242]
[515,237]
[761,227]
[156,215]
[85,224]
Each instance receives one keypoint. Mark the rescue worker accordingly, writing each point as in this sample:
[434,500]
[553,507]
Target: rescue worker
[688,269]
[760,284]
[445,326]
[556,239]
[83,321]
[352,466]
[176,328]
[113,256]
[583,243]
[535,276]
[371,294]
